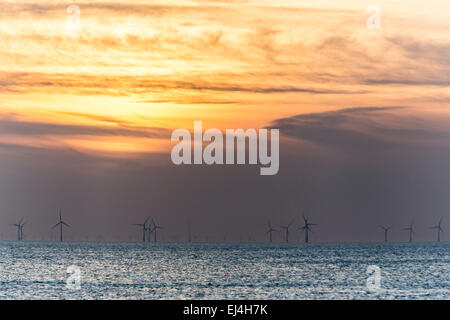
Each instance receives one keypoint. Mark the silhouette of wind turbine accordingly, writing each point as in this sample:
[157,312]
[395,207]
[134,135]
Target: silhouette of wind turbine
[61,223]
[306,228]
[439,230]
[386,229]
[149,232]
[411,231]
[144,228]
[270,231]
[19,226]
[155,227]
[21,230]
[286,228]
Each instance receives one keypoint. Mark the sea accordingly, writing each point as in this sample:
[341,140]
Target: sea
[85,270]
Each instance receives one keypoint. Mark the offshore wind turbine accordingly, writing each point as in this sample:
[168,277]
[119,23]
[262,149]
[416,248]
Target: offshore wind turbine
[386,229]
[61,223]
[306,228]
[144,228]
[439,230]
[270,230]
[411,231]
[21,230]
[155,227]
[286,228]
[19,226]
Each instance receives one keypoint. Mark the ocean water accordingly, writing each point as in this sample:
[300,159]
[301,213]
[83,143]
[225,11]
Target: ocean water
[38,270]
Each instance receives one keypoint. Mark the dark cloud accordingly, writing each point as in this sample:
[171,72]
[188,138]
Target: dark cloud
[364,128]
[25,128]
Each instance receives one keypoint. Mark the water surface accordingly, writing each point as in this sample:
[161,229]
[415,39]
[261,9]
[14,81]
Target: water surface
[38,270]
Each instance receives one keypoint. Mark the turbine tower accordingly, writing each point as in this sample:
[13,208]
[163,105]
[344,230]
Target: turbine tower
[439,230]
[306,228]
[270,230]
[386,229]
[19,226]
[144,228]
[149,236]
[21,230]
[155,227]
[286,228]
[411,231]
[61,223]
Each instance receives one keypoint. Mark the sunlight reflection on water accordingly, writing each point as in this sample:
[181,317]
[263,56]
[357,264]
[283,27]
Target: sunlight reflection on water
[32,270]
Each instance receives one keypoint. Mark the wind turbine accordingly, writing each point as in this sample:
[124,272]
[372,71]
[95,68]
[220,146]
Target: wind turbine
[270,231]
[19,226]
[386,229]
[411,231]
[144,228]
[21,230]
[439,229]
[306,228]
[286,228]
[155,227]
[61,223]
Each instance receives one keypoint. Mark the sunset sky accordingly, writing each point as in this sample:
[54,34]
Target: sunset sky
[86,106]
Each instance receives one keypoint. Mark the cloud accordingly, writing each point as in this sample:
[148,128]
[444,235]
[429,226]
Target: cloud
[366,128]
[10,126]
[128,85]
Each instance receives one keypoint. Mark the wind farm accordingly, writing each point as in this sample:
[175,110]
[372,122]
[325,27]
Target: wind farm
[211,149]
[149,229]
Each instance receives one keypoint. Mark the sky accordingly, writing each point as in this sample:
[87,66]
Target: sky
[88,103]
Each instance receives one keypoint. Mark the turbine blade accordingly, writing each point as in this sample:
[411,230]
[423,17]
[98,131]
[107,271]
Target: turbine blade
[56,225]
[65,224]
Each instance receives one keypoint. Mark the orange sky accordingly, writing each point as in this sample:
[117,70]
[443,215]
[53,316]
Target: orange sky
[135,70]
